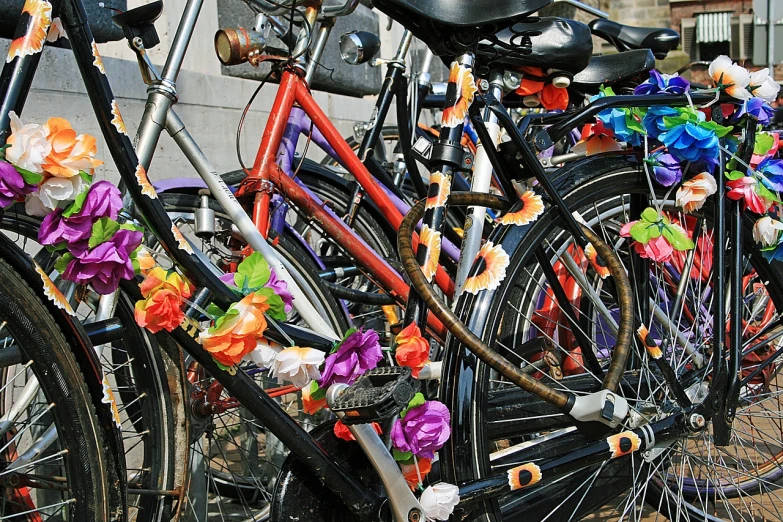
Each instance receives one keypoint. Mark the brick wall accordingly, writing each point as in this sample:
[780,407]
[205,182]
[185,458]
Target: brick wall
[640,13]
[680,10]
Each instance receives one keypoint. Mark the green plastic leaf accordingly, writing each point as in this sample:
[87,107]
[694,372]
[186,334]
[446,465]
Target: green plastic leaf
[640,232]
[607,91]
[719,130]
[102,231]
[62,263]
[231,313]
[677,238]
[401,456]
[650,215]
[59,247]
[221,366]
[214,310]
[276,305]
[764,142]
[765,193]
[734,174]
[633,124]
[77,203]
[131,226]
[134,257]
[655,231]
[252,272]
[348,333]
[417,400]
[87,177]
[31,178]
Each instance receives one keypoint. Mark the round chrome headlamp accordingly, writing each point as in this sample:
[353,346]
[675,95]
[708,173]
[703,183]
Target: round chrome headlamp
[358,47]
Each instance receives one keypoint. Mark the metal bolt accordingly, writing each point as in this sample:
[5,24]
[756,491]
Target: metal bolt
[414,516]
[483,84]
[511,80]
[697,421]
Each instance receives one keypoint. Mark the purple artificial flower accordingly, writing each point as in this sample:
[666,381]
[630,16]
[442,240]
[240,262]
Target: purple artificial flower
[663,84]
[103,200]
[360,351]
[758,108]
[772,170]
[107,263]
[280,287]
[423,430]
[12,185]
[228,278]
[666,168]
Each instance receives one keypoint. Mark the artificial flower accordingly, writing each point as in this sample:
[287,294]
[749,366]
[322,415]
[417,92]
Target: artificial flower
[465,89]
[656,237]
[554,98]
[730,77]
[431,240]
[762,85]
[766,146]
[771,171]
[692,142]
[69,153]
[53,193]
[297,365]
[492,262]
[145,261]
[412,350]
[693,193]
[439,190]
[663,84]
[56,30]
[746,189]
[104,265]
[438,501]
[103,199]
[280,288]
[313,398]
[358,352]
[422,430]
[657,249]
[29,146]
[654,122]
[766,231]
[161,308]
[594,142]
[666,169]
[756,107]
[265,354]
[414,476]
[12,185]
[532,208]
[342,432]
[622,123]
[234,334]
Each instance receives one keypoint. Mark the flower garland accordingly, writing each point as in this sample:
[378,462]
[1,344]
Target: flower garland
[685,147]
[50,167]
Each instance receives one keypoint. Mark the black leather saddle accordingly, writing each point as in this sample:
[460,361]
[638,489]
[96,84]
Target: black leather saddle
[139,22]
[612,69]
[660,41]
[502,31]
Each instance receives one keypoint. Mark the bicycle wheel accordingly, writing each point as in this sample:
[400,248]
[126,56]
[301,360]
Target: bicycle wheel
[44,396]
[151,408]
[691,479]
[234,460]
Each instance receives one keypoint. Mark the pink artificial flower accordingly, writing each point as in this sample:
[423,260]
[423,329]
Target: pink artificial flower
[745,189]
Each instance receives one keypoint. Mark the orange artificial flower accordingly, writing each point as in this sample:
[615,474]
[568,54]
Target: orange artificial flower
[528,85]
[464,90]
[554,97]
[532,207]
[596,262]
[234,334]
[440,189]
[70,152]
[145,260]
[410,474]
[161,308]
[39,19]
[493,262]
[649,343]
[412,350]
[311,406]
[431,240]
[342,432]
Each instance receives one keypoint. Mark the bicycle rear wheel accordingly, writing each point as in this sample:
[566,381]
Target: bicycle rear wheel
[44,396]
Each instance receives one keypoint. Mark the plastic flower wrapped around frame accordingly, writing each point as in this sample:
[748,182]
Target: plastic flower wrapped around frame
[422,429]
[656,236]
[234,333]
[164,293]
[694,192]
[730,77]
[358,352]
[297,365]
[412,349]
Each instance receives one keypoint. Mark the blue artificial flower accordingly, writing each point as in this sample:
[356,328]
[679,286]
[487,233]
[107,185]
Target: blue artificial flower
[774,253]
[653,120]
[663,84]
[772,173]
[617,120]
[690,142]
[666,168]
[758,108]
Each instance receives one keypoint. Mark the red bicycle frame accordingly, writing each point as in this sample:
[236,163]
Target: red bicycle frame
[294,90]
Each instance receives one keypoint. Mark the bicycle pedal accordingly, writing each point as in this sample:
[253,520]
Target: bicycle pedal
[377,395]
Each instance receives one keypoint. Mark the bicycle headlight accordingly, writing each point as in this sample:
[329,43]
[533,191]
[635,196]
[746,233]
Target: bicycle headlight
[358,47]
[235,46]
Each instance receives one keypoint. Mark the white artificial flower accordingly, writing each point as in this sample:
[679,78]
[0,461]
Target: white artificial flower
[56,31]
[763,86]
[693,193]
[438,501]
[52,193]
[298,365]
[766,231]
[29,146]
[264,355]
[731,77]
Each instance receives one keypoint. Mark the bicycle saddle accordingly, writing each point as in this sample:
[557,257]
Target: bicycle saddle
[659,40]
[139,16]
[613,68]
